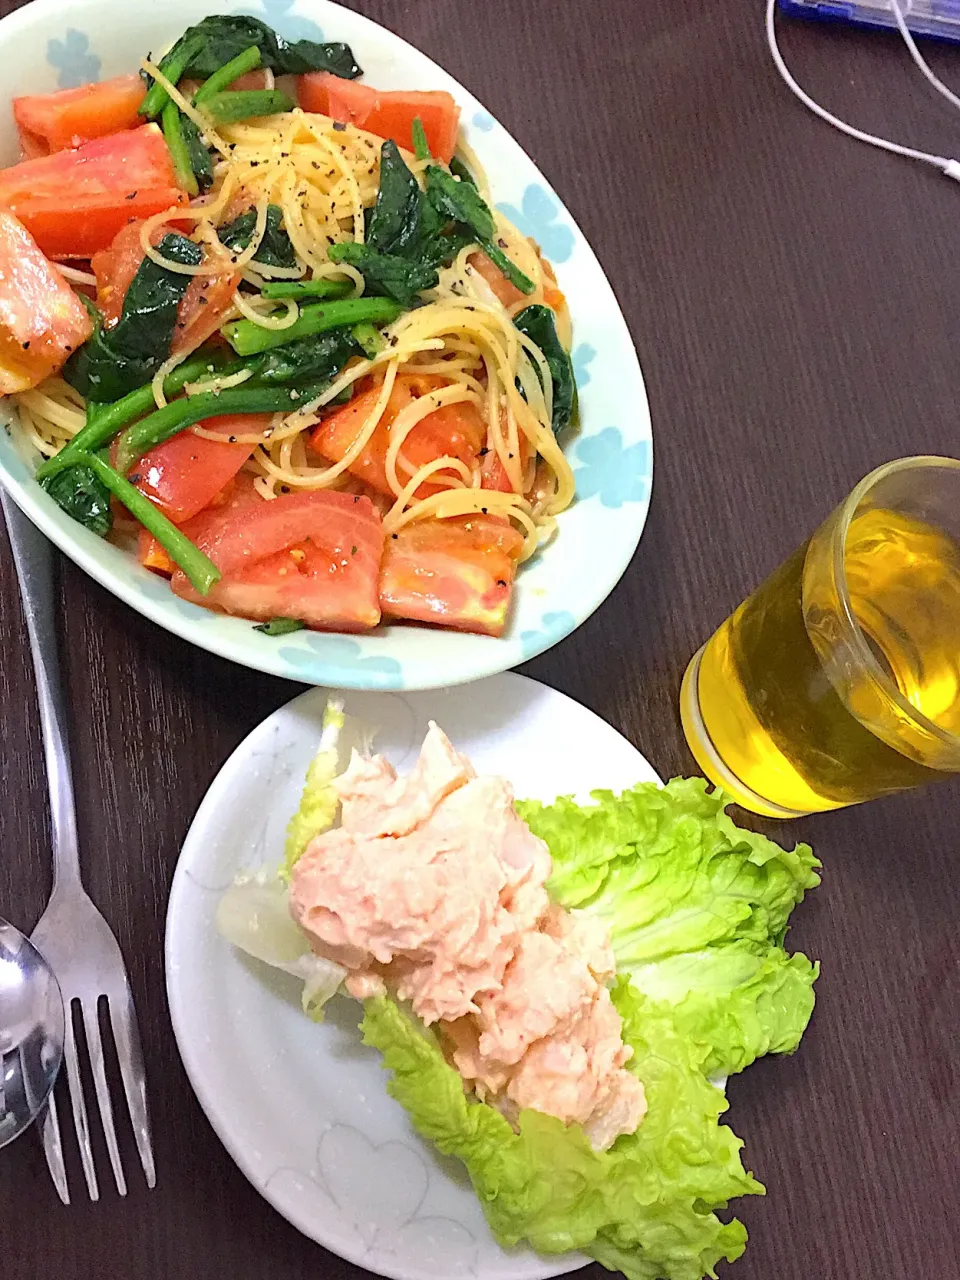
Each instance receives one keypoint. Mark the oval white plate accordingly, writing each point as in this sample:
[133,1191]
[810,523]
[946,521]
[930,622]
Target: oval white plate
[303,1108]
[53,43]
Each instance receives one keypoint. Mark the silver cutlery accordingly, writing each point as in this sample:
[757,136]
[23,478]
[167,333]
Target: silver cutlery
[72,934]
[31,1032]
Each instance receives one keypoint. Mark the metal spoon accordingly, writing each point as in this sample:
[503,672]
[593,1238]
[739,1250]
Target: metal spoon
[31,1032]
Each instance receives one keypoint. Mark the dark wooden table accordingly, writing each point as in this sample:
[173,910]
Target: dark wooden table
[794,299]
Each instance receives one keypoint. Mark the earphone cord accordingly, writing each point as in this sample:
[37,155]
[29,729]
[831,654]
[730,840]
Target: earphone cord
[951,168]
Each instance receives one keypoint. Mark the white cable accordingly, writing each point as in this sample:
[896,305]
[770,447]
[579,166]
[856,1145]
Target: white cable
[951,168]
[918,57]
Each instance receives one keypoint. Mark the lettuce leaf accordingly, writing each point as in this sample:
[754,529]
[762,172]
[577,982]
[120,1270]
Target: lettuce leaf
[644,1207]
[318,802]
[738,1001]
[696,908]
[254,915]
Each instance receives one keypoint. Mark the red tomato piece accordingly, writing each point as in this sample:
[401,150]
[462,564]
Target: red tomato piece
[54,121]
[508,293]
[388,114]
[455,573]
[313,556]
[454,431]
[75,202]
[185,473]
[41,318]
[201,310]
[152,555]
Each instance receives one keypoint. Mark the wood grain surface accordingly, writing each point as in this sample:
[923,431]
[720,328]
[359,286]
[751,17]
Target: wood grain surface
[794,300]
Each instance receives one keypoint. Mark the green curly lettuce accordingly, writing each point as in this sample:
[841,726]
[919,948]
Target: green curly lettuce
[696,909]
[645,1206]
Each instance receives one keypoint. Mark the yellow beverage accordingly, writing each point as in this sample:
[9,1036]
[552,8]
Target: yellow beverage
[838,680]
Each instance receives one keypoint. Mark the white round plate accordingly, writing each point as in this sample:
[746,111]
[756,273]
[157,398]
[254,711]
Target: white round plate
[302,1107]
[53,43]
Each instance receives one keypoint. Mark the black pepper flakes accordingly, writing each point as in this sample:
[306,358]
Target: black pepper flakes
[483,453]
[131,196]
[26,345]
[135,478]
[202,300]
[353,551]
[315,163]
[232,439]
[483,510]
[501,242]
[501,582]
[394,535]
[339,126]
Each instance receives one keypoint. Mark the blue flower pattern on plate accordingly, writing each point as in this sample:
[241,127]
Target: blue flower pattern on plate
[277,14]
[554,626]
[483,121]
[313,659]
[538,218]
[583,357]
[611,472]
[72,60]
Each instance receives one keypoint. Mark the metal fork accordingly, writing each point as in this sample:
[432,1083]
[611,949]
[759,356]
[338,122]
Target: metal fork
[72,934]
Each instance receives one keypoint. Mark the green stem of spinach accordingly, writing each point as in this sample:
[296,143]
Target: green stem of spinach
[509,268]
[421,148]
[172,124]
[173,67]
[322,288]
[201,570]
[104,421]
[248,339]
[370,339]
[179,414]
[233,105]
[249,60]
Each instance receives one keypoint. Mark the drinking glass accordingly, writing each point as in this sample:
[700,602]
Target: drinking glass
[838,680]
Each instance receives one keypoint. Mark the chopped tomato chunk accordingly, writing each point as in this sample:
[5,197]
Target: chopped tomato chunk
[385,113]
[508,293]
[75,202]
[185,473]
[152,555]
[455,431]
[41,318]
[456,573]
[54,121]
[313,556]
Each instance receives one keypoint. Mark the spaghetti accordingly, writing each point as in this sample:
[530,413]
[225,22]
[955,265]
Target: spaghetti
[459,347]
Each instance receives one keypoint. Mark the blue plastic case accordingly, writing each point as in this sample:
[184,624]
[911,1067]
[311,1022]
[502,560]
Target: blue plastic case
[937,18]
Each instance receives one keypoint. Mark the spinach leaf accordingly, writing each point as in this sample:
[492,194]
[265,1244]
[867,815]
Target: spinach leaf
[83,496]
[200,161]
[275,248]
[537,322]
[387,274]
[462,202]
[220,38]
[397,221]
[316,359]
[280,626]
[114,361]
[460,170]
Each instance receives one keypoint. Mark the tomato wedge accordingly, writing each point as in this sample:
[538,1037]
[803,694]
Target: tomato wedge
[41,319]
[385,113]
[75,202]
[313,556]
[455,431]
[201,311]
[54,121]
[455,573]
[185,473]
[508,293]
